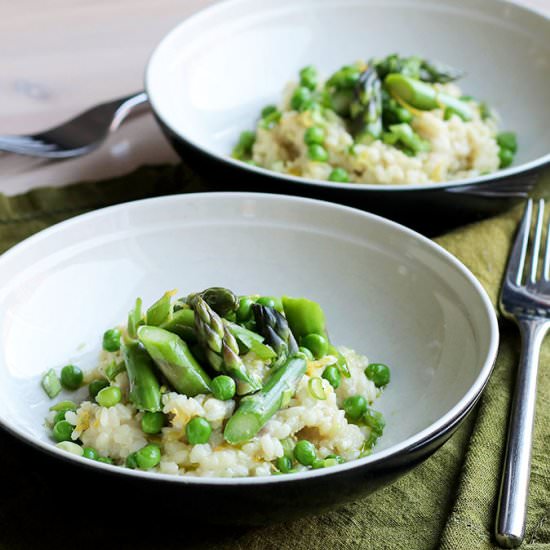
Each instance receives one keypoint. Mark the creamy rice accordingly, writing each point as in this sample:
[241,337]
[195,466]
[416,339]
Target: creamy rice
[458,149]
[115,432]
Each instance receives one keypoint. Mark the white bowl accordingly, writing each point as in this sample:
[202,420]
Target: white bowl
[210,77]
[387,292]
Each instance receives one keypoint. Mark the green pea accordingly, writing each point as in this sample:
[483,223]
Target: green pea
[355,406]
[131,461]
[198,431]
[271,119]
[244,313]
[506,157]
[307,353]
[71,377]
[90,452]
[332,374]
[317,153]
[268,109]
[346,77]
[300,98]
[223,387]
[59,416]
[109,397]
[318,463]
[375,421]
[152,422]
[315,134]
[308,77]
[284,464]
[62,431]
[148,457]
[304,452]
[243,149]
[507,140]
[339,175]
[111,339]
[403,115]
[266,301]
[105,460]
[96,386]
[316,343]
[378,373]
[271,301]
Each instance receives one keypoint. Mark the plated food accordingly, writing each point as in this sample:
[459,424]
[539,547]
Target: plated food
[217,385]
[397,120]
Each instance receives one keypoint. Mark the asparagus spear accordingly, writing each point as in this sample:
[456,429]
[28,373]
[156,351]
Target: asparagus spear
[219,345]
[423,96]
[255,410]
[144,386]
[416,67]
[438,72]
[366,107]
[274,328]
[172,356]
[339,89]
[222,300]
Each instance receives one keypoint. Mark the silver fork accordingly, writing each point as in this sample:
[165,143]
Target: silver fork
[528,303]
[78,136]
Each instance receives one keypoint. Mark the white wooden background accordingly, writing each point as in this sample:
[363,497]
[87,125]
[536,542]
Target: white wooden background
[61,56]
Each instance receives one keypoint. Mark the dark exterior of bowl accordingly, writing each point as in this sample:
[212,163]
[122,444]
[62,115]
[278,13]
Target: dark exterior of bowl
[430,211]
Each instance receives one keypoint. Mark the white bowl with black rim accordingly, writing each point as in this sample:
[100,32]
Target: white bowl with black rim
[387,292]
[209,78]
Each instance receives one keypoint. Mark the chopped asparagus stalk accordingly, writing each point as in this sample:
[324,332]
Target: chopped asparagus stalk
[114,369]
[304,316]
[51,383]
[160,311]
[423,96]
[182,323]
[402,134]
[255,410]
[172,356]
[135,318]
[144,386]
[252,341]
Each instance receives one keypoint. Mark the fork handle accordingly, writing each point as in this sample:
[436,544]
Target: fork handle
[512,505]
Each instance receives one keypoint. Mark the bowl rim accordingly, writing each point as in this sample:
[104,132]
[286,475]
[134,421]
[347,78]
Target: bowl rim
[380,188]
[420,440]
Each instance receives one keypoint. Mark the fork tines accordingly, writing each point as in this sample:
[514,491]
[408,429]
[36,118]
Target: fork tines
[521,250]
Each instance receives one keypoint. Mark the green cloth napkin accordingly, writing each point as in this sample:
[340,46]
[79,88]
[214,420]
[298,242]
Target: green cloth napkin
[447,502]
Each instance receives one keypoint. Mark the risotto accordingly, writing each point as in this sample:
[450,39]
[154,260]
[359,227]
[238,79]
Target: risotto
[391,121]
[218,385]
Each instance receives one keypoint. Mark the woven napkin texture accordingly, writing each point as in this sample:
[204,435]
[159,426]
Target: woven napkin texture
[447,502]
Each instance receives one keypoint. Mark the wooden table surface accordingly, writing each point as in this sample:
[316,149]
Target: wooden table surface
[61,56]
